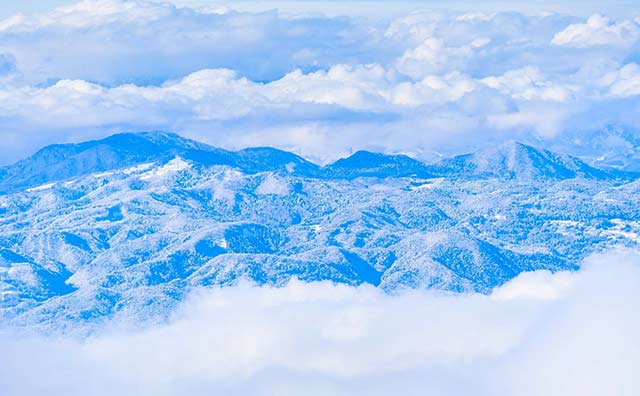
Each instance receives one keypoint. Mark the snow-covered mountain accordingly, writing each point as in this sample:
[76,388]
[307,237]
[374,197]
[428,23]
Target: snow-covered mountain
[514,160]
[128,224]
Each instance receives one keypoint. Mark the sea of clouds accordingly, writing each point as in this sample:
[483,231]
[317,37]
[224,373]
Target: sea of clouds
[425,83]
[568,333]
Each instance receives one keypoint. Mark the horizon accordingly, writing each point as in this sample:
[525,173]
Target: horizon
[347,155]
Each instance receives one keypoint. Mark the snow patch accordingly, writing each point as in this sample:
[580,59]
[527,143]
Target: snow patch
[169,169]
[138,168]
[427,184]
[290,167]
[224,184]
[80,279]
[23,273]
[42,187]
[273,185]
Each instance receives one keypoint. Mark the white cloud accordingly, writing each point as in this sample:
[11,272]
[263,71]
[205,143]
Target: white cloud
[433,57]
[361,87]
[598,30]
[529,84]
[119,41]
[542,285]
[90,13]
[320,115]
[624,82]
[563,334]
[433,90]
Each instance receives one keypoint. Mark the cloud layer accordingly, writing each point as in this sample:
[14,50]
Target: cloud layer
[321,86]
[540,334]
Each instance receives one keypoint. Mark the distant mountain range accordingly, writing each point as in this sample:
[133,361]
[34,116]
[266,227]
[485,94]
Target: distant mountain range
[511,160]
[128,224]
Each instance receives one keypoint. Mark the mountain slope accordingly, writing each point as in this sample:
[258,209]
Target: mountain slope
[367,164]
[131,232]
[64,161]
[515,160]
[509,161]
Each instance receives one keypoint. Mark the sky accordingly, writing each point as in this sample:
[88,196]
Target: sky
[323,79]
[378,8]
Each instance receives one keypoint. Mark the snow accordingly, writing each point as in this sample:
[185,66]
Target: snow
[218,224]
[138,168]
[290,167]
[273,185]
[80,279]
[169,169]
[428,183]
[103,174]
[43,187]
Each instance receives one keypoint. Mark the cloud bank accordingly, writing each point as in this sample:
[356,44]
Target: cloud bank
[598,30]
[540,334]
[318,85]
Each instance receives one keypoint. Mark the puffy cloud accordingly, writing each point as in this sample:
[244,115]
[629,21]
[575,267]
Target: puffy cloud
[89,13]
[537,285]
[120,41]
[529,84]
[318,114]
[598,30]
[354,87]
[217,94]
[351,94]
[541,333]
[433,57]
[433,89]
[623,82]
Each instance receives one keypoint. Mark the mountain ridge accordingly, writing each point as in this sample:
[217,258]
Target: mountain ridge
[133,232]
[511,160]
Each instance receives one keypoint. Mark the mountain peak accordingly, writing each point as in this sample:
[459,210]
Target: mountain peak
[64,161]
[511,160]
[257,159]
[367,164]
[515,160]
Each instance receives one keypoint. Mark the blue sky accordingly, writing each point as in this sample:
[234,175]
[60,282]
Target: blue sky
[381,7]
[323,78]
